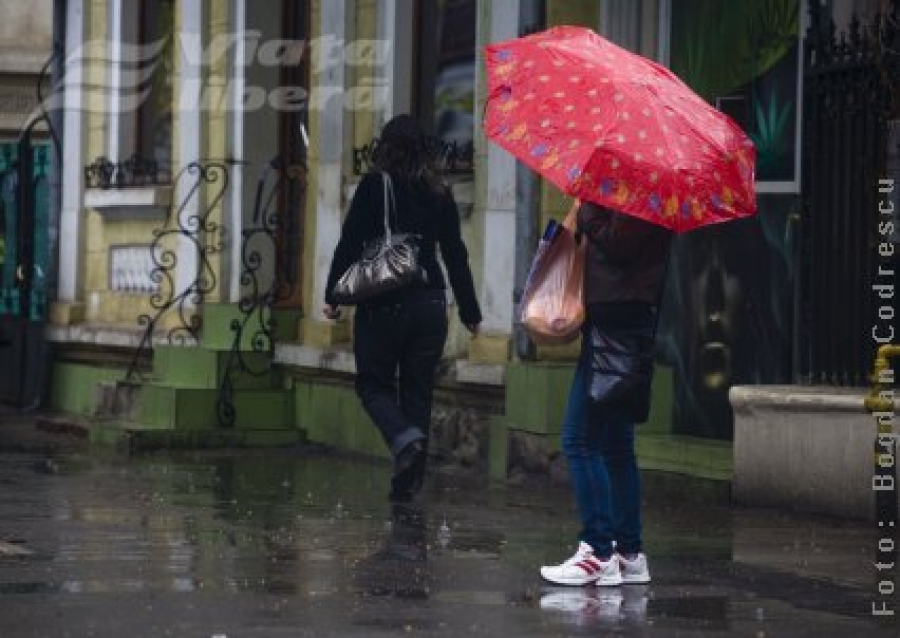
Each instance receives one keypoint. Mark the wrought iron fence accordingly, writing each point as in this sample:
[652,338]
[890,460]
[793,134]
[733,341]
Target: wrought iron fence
[269,262]
[188,231]
[850,93]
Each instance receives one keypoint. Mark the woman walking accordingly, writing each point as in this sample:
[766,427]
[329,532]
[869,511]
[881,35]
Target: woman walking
[624,276]
[399,337]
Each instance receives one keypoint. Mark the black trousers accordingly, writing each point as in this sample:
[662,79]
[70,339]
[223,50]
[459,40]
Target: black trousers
[397,348]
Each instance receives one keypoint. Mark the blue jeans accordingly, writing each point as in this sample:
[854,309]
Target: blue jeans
[604,471]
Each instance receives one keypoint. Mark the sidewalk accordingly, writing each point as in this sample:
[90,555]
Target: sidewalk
[301,542]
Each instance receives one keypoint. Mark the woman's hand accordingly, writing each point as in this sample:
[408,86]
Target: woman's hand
[331,312]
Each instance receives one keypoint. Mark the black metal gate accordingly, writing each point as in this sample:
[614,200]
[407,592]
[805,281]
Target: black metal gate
[851,92]
[25,266]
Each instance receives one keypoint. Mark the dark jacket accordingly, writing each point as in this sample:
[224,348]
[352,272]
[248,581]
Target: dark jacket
[421,210]
[626,256]
[625,272]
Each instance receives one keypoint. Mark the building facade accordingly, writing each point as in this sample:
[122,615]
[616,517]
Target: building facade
[209,153]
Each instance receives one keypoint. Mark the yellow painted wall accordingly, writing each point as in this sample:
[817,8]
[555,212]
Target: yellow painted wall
[102,305]
[96,259]
[215,134]
[310,303]
[561,12]
[366,20]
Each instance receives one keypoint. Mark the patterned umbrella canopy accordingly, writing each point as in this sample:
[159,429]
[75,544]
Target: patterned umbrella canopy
[612,127]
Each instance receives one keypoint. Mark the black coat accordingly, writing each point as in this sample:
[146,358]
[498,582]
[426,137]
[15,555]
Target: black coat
[419,209]
[625,273]
[626,256]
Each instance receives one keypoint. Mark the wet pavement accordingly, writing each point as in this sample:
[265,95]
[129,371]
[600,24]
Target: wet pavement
[302,542]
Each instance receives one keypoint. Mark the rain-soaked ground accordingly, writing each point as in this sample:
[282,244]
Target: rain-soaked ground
[303,543]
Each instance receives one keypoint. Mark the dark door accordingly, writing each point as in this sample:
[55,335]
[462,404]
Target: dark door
[292,150]
[24,271]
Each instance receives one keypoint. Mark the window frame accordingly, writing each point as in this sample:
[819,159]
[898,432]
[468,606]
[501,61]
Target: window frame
[423,94]
[786,187]
[124,132]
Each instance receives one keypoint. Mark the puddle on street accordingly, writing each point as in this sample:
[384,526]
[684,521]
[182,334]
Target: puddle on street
[309,533]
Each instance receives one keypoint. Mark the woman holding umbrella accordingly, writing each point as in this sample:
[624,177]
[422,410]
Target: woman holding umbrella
[624,276]
[613,128]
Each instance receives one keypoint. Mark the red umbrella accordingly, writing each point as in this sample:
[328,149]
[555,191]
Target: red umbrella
[612,127]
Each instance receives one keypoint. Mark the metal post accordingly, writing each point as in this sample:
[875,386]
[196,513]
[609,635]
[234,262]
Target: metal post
[531,13]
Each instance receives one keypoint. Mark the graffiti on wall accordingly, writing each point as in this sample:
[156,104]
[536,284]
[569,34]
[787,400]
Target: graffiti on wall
[727,317]
[728,313]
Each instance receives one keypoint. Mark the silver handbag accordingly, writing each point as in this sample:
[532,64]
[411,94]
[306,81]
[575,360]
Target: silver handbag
[387,264]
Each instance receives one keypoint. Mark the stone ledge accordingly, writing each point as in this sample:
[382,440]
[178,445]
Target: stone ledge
[798,398]
[804,447]
[479,373]
[304,356]
[139,202]
[97,334]
[341,360]
[117,336]
[690,456]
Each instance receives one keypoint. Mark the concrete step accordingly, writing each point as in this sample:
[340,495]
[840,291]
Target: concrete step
[203,368]
[128,436]
[131,437]
[693,456]
[197,408]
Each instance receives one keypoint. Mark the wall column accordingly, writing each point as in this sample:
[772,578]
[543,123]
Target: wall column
[499,235]
[235,119]
[188,131]
[70,305]
[394,27]
[329,145]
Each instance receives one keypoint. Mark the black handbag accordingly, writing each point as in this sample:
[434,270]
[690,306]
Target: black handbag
[620,347]
[388,263]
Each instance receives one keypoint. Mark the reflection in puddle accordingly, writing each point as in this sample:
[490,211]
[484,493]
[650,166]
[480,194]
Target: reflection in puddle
[586,606]
[316,537]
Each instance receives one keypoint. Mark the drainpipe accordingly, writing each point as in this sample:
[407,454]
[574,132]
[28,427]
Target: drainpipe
[531,16]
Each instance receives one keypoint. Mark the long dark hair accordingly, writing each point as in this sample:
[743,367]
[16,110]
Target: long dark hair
[403,151]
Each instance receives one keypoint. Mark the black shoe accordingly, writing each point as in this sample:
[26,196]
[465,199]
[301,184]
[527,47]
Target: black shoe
[409,470]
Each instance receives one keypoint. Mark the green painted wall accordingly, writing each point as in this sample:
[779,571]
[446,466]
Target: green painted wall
[73,386]
[536,396]
[332,415]
[187,367]
[327,412]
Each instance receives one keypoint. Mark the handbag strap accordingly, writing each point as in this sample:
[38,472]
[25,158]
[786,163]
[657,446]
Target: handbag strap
[389,202]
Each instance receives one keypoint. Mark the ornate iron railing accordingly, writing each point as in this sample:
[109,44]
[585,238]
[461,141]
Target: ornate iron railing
[851,91]
[203,238]
[269,263]
[135,171]
[446,157]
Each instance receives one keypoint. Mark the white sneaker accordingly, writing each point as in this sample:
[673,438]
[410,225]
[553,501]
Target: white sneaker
[634,571]
[584,568]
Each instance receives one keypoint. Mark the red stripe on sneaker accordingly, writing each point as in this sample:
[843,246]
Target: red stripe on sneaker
[589,566]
